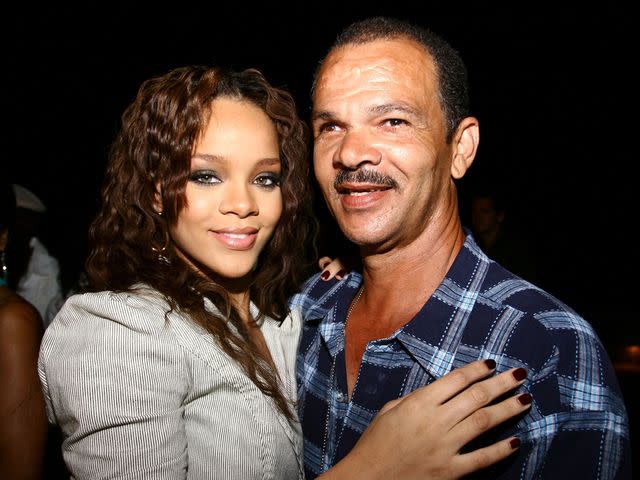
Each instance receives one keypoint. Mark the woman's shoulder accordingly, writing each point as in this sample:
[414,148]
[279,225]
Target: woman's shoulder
[95,325]
[142,309]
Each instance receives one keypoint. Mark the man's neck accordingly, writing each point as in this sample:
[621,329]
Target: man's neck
[402,279]
[396,285]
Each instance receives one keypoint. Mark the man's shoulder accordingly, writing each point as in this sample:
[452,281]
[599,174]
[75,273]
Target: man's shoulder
[504,288]
[542,326]
[545,315]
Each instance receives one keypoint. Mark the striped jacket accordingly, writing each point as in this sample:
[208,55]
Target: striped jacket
[141,396]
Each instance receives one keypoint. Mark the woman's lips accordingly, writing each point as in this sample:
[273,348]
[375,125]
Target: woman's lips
[237,239]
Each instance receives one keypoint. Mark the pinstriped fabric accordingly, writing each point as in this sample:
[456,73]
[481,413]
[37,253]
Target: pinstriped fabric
[138,396]
[479,311]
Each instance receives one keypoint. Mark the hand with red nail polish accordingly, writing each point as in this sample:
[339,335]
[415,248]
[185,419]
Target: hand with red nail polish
[429,427]
[332,268]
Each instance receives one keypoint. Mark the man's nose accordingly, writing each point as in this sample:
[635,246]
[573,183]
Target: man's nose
[358,147]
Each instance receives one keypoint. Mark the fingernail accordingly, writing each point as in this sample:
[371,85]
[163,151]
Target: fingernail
[490,363]
[325,275]
[341,274]
[519,374]
[515,442]
[525,399]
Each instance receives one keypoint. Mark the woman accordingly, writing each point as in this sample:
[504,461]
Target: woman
[181,363]
[23,426]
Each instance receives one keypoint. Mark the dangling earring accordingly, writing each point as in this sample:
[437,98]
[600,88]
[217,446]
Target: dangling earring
[160,251]
[4,274]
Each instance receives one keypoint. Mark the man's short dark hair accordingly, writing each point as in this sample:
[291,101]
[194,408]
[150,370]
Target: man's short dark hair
[452,72]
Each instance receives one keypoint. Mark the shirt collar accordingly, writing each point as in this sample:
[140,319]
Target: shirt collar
[433,336]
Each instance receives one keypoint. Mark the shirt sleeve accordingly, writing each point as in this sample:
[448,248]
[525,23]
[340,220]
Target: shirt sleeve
[577,426]
[574,445]
[114,380]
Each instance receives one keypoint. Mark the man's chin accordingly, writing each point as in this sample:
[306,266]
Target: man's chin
[365,238]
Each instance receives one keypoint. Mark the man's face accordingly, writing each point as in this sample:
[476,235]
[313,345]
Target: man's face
[380,154]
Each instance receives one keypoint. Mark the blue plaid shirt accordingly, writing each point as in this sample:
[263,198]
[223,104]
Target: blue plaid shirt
[577,426]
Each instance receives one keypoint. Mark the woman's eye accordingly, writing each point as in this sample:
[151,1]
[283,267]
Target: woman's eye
[268,180]
[206,177]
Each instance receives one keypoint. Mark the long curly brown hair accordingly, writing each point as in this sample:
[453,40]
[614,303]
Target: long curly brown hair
[154,147]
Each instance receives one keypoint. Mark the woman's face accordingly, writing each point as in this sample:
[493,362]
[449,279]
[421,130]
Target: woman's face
[233,193]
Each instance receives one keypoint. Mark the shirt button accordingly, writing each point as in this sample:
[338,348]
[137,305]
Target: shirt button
[340,397]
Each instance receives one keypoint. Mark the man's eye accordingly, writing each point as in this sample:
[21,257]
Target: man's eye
[206,177]
[394,122]
[328,127]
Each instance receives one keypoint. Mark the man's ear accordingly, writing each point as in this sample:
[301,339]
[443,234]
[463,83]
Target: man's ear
[465,145]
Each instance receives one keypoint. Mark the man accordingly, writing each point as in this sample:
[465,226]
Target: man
[392,133]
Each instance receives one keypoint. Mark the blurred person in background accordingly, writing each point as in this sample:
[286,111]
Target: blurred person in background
[23,424]
[36,273]
[498,238]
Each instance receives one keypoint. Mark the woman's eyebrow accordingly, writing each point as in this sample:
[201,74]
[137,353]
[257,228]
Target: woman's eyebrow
[207,157]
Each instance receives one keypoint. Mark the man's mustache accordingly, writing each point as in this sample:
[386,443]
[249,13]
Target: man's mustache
[363,176]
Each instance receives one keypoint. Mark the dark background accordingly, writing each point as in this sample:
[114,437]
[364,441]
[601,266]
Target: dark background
[552,88]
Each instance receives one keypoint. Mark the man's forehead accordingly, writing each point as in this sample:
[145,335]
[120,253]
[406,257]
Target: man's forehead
[375,65]
[400,50]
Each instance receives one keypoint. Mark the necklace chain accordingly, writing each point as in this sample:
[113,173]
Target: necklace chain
[332,372]
[353,305]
